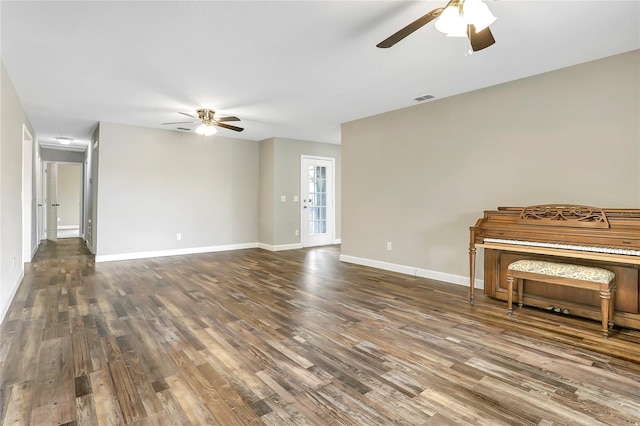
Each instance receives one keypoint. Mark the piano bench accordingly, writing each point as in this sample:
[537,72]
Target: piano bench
[584,277]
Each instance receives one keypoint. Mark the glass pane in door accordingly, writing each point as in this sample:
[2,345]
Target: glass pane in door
[317,200]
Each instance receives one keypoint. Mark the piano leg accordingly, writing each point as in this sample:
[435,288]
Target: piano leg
[472,270]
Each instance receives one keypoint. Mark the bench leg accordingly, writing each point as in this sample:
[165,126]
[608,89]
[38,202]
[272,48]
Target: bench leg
[612,305]
[520,282]
[605,306]
[509,295]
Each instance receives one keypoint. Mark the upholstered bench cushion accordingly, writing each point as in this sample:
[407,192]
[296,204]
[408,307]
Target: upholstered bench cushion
[576,272]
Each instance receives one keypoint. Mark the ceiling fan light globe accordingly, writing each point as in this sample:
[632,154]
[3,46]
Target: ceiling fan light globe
[206,130]
[460,30]
[211,131]
[477,13]
[471,7]
[449,20]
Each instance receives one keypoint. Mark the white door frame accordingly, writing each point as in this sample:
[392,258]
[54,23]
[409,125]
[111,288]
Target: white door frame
[27,193]
[40,210]
[51,200]
[305,239]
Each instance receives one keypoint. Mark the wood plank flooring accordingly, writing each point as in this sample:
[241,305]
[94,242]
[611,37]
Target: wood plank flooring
[253,337]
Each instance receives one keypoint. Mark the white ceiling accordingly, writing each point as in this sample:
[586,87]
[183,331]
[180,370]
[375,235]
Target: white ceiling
[292,69]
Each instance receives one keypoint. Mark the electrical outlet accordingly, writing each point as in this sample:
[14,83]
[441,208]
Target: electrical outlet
[178,236]
[295,200]
[297,232]
[14,261]
[389,245]
[283,198]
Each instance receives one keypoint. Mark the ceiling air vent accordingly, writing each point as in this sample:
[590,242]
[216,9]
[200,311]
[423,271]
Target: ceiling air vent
[423,98]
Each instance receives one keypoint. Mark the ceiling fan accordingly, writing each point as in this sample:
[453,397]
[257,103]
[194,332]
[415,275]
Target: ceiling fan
[459,18]
[207,122]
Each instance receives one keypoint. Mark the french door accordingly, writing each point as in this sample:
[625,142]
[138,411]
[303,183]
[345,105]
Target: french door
[318,201]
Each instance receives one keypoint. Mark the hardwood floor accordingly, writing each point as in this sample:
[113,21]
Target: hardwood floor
[292,338]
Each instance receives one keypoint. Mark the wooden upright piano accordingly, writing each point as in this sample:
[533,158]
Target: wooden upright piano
[606,238]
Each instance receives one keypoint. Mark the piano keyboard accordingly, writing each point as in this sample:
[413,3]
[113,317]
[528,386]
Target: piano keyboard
[608,250]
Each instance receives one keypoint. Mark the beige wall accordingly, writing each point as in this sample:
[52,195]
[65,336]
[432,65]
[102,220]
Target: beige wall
[420,176]
[69,192]
[12,117]
[154,184]
[266,196]
[287,177]
[280,174]
[60,155]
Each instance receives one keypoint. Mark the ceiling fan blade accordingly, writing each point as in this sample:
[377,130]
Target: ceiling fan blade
[415,25]
[223,119]
[180,122]
[480,40]
[230,127]
[188,115]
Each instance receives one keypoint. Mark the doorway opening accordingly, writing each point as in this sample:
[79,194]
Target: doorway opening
[64,201]
[69,200]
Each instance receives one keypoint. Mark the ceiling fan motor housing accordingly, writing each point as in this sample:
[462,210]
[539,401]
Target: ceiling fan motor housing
[206,115]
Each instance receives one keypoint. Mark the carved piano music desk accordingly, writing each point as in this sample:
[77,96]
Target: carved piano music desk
[581,235]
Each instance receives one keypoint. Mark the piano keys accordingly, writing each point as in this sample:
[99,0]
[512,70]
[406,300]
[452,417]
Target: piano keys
[607,238]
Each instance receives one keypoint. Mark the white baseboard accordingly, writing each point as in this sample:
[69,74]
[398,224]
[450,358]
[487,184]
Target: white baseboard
[410,270]
[393,267]
[280,247]
[337,241]
[4,309]
[173,252]
[69,227]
